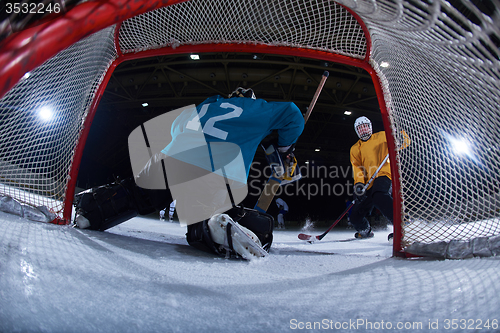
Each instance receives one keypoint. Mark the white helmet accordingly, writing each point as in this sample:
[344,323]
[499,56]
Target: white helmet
[242,92]
[363,128]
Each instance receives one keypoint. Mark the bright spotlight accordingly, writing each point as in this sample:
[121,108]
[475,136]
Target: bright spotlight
[460,146]
[194,57]
[45,113]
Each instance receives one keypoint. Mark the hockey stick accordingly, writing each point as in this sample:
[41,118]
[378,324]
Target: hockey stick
[320,237]
[273,183]
[316,95]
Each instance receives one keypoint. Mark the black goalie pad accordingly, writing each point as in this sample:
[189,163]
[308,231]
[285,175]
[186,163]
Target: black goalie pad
[105,206]
[262,224]
[109,205]
[198,236]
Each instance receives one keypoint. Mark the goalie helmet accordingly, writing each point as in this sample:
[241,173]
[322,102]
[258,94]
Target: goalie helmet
[363,128]
[242,92]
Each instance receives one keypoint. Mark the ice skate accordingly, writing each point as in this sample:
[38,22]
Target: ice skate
[366,233]
[243,240]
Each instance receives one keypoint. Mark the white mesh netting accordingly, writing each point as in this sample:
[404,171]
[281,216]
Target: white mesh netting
[42,117]
[319,25]
[438,63]
[443,89]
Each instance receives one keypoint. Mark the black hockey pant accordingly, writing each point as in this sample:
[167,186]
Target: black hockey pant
[378,196]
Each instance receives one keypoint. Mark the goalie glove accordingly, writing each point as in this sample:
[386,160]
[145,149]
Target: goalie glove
[292,172]
[283,163]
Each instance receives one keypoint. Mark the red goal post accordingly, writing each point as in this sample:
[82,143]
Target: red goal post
[420,42]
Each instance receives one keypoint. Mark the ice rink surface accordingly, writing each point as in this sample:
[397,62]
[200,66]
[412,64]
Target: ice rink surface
[142,276]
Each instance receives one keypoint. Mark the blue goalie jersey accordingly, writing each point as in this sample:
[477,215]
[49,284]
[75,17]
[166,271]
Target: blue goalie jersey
[222,131]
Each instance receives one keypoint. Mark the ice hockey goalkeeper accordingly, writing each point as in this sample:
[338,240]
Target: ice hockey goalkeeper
[205,168]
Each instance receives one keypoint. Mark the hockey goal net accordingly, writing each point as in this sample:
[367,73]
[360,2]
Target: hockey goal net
[435,67]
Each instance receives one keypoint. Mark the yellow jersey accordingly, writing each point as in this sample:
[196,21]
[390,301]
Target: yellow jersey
[366,157]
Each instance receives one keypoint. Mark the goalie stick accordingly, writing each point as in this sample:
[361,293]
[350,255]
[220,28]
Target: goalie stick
[320,237]
[273,183]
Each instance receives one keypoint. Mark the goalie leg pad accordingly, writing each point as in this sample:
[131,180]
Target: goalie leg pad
[234,237]
[103,207]
[198,236]
[261,224]
[106,206]
[219,242]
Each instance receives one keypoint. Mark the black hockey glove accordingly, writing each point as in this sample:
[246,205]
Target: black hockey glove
[286,154]
[292,172]
[359,192]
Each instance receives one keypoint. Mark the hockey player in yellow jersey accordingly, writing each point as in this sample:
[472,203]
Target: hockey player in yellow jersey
[366,156]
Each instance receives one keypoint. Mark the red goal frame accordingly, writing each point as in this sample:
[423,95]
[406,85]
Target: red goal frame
[25,50]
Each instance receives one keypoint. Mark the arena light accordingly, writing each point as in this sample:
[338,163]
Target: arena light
[347,113]
[194,57]
[460,147]
[45,113]
[144,105]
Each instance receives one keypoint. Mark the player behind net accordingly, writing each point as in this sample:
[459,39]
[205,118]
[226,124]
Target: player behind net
[366,155]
